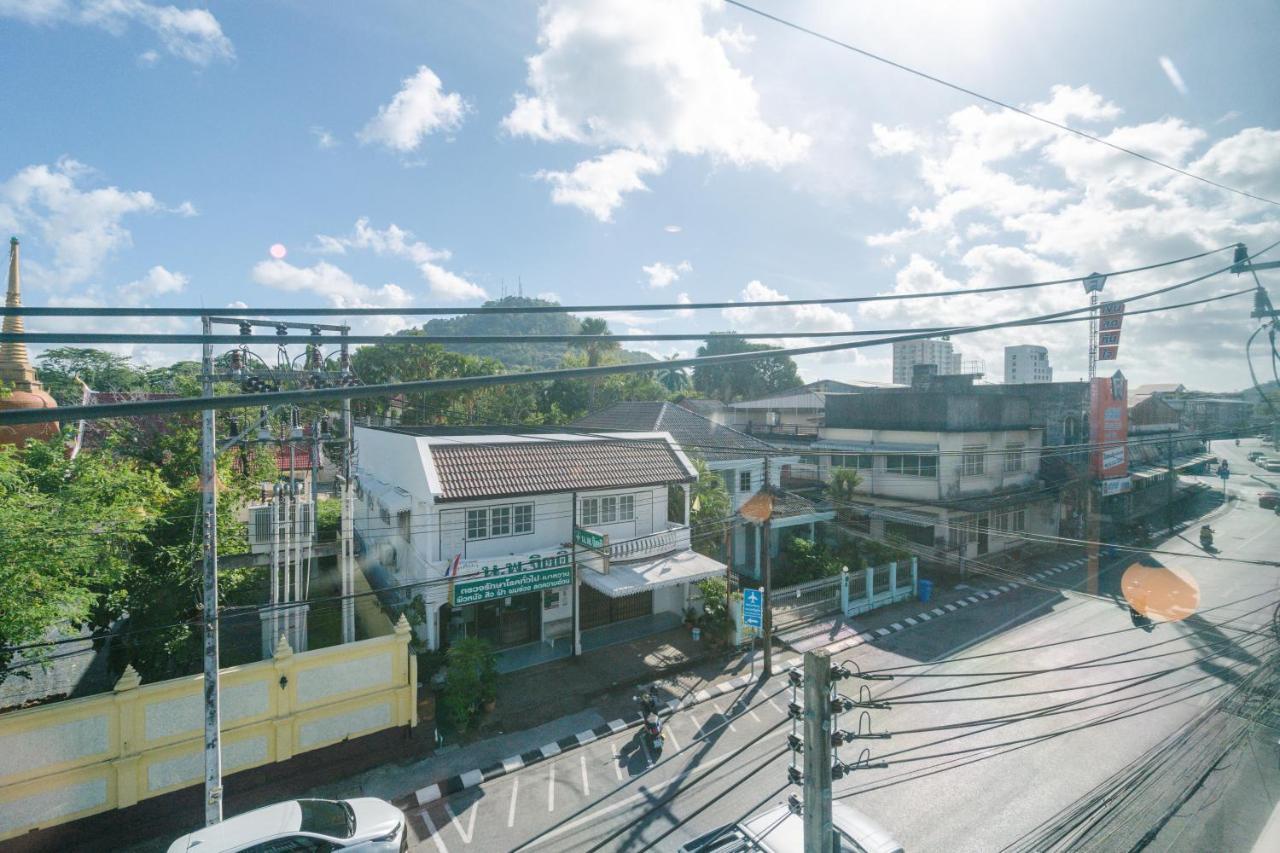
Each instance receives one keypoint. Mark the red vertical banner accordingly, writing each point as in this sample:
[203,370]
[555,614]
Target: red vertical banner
[1109,426]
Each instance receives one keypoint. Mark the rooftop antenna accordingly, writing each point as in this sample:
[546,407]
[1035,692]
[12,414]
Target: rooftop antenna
[520,285]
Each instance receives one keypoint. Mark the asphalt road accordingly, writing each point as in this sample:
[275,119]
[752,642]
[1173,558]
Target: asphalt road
[1004,713]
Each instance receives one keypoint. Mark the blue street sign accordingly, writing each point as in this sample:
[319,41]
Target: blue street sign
[1224,472]
[753,607]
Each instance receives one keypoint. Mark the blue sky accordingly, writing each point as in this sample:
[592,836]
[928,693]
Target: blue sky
[411,153]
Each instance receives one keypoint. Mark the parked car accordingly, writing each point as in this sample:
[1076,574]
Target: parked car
[1272,464]
[364,824]
[780,830]
[1255,455]
[1268,500]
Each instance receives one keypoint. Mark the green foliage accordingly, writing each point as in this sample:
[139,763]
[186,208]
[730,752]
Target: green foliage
[715,619]
[69,531]
[471,680]
[573,398]
[595,326]
[58,368]
[842,487]
[674,379]
[516,355]
[743,380]
[711,506]
[328,519]
[804,560]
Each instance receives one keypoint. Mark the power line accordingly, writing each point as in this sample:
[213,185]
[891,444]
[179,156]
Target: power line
[191,404]
[999,103]
[98,311]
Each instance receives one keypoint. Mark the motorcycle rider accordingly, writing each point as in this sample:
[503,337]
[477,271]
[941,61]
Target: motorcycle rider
[652,722]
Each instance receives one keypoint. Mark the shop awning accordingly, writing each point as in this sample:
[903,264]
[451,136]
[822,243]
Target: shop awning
[630,578]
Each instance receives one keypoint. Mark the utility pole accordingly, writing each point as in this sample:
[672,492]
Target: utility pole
[1093,285]
[818,830]
[577,599]
[348,559]
[767,617]
[209,499]
[1172,478]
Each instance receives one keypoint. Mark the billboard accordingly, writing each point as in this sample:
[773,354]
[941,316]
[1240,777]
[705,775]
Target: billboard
[1109,426]
[1111,316]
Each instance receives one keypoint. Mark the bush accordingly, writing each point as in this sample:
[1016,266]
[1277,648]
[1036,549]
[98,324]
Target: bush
[471,681]
[804,560]
[715,618]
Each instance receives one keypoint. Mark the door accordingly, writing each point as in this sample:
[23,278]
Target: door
[453,534]
[984,530]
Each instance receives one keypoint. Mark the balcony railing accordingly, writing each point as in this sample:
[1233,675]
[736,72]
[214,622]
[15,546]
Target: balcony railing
[674,538]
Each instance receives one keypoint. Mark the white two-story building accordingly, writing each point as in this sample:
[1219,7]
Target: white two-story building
[953,471]
[481,528]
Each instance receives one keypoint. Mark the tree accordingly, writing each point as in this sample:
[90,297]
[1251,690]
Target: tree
[674,379]
[742,380]
[69,530]
[843,486]
[62,368]
[595,349]
[409,363]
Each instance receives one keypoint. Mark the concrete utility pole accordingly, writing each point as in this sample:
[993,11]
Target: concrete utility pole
[1173,479]
[818,830]
[767,617]
[209,497]
[347,564]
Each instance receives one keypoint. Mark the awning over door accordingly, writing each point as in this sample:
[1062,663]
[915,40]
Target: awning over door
[630,578]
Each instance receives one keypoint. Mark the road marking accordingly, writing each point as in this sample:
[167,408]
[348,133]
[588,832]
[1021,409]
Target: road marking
[702,695]
[512,764]
[950,607]
[617,762]
[776,706]
[752,712]
[551,786]
[472,778]
[924,617]
[511,810]
[550,749]
[883,632]
[586,786]
[961,602]
[727,719]
[457,824]
[435,833]
[671,733]
[937,611]
[1003,588]
[697,726]
[972,599]
[429,794]
[896,626]
[586,737]
[617,725]
[645,793]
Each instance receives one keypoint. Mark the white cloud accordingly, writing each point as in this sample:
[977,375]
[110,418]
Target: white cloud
[394,241]
[646,81]
[684,299]
[80,226]
[890,141]
[157,282]
[330,282]
[420,108]
[672,229]
[783,318]
[1175,77]
[597,185]
[324,139]
[663,275]
[1011,201]
[190,34]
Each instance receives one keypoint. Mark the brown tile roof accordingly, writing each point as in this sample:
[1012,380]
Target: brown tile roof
[531,467]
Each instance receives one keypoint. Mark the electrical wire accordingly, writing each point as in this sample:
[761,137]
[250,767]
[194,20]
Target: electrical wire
[100,311]
[997,102]
[23,416]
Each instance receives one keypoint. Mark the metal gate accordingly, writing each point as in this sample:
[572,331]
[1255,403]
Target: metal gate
[599,609]
[805,602]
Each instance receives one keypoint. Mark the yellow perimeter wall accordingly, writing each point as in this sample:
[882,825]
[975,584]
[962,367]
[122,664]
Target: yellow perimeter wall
[76,758]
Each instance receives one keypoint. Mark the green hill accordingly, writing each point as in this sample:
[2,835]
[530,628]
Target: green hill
[516,355]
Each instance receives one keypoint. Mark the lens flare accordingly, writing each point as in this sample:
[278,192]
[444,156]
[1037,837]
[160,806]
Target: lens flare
[1161,593]
[278,251]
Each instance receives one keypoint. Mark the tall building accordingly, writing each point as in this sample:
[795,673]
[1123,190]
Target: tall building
[1026,364]
[908,354]
[16,373]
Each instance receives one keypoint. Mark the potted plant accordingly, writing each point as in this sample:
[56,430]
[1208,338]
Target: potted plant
[690,617]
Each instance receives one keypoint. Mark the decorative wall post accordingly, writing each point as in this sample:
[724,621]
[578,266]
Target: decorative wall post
[126,762]
[871,585]
[406,668]
[893,579]
[915,576]
[844,590]
[284,687]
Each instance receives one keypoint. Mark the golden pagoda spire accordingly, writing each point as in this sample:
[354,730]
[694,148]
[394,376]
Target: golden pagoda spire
[15,366]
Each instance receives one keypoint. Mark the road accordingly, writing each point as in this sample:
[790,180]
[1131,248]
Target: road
[1004,713]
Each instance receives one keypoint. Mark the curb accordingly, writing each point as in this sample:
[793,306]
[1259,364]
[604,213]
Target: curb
[472,778]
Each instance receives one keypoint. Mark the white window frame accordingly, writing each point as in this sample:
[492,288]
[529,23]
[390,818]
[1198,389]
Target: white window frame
[1013,457]
[589,512]
[626,508]
[499,521]
[477,532]
[521,519]
[747,476]
[974,460]
[609,509]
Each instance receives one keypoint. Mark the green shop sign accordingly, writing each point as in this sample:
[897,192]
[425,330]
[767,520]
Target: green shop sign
[514,577]
[590,539]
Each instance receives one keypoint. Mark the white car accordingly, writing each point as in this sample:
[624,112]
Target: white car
[365,824]
[780,830]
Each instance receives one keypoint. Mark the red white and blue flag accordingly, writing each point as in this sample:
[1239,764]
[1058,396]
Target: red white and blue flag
[452,571]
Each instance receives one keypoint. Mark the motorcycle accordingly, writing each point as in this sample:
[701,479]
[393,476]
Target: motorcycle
[652,722]
[1206,537]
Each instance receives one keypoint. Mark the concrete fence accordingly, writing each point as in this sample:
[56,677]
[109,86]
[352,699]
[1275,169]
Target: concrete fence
[77,758]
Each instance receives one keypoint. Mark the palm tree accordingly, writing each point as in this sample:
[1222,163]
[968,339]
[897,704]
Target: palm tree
[674,379]
[595,326]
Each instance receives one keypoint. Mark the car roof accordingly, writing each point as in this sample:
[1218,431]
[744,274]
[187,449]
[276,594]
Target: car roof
[235,832]
[782,831]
